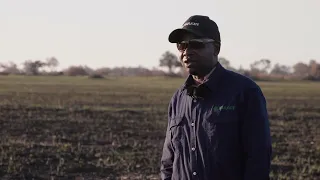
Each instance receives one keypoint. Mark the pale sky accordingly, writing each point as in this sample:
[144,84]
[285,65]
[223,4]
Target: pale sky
[135,32]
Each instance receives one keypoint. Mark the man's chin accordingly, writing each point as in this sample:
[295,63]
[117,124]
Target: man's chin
[192,71]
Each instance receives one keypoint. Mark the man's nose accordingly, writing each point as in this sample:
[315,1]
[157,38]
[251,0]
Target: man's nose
[188,52]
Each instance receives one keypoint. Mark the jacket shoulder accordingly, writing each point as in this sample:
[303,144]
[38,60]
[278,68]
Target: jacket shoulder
[239,81]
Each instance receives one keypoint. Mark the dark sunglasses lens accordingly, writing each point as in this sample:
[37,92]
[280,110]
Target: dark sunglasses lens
[196,45]
[182,46]
[192,45]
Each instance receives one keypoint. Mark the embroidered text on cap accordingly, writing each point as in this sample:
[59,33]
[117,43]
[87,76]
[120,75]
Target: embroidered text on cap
[190,24]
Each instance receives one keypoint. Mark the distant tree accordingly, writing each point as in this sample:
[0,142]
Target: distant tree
[89,70]
[32,67]
[314,69]
[261,66]
[103,71]
[10,68]
[76,71]
[169,60]
[224,62]
[241,70]
[157,72]
[301,69]
[52,63]
[280,69]
[127,71]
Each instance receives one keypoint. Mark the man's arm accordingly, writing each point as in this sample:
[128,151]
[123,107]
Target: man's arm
[167,154]
[256,136]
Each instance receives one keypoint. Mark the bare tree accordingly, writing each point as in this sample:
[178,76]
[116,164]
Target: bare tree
[10,68]
[32,67]
[76,71]
[314,69]
[103,71]
[52,63]
[169,60]
[224,62]
[261,66]
[301,69]
[280,69]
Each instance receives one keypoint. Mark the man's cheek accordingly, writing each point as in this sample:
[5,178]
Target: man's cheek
[181,57]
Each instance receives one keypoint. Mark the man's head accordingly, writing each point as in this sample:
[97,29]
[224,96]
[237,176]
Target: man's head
[198,42]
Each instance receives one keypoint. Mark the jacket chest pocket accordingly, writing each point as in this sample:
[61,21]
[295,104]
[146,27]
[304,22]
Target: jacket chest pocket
[177,132]
[223,131]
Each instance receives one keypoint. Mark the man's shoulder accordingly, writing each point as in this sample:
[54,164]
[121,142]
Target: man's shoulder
[177,93]
[245,86]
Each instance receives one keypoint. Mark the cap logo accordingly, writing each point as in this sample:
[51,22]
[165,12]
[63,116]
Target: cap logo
[190,24]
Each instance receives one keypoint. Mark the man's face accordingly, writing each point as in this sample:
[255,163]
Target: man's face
[197,55]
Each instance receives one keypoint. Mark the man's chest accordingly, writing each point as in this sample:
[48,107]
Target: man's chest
[212,123]
[218,108]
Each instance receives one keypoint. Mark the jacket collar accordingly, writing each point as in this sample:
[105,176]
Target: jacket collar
[198,82]
[212,81]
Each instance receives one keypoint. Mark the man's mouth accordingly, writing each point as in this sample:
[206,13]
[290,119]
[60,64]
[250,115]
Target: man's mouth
[190,65]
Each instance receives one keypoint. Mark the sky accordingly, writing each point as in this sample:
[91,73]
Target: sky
[102,33]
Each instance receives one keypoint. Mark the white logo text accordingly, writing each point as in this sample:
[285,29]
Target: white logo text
[191,24]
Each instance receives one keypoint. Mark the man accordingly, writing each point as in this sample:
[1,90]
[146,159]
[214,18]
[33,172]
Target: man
[218,127]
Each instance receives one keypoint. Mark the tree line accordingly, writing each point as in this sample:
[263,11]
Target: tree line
[262,69]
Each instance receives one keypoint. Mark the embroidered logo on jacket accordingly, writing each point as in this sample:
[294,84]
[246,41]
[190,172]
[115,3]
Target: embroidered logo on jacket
[217,109]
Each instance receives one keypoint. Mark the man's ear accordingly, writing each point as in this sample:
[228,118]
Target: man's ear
[216,49]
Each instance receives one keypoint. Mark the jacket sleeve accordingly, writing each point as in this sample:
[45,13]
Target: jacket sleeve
[167,154]
[256,136]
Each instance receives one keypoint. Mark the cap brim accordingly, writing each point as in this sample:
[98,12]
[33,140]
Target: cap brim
[176,35]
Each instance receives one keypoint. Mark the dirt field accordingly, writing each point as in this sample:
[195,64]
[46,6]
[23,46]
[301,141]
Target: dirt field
[80,128]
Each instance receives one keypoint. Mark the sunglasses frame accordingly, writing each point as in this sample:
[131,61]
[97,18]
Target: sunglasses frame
[203,41]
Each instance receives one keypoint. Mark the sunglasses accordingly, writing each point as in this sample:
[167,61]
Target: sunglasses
[193,44]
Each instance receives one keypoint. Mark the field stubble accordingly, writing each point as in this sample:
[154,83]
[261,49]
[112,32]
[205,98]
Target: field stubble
[62,128]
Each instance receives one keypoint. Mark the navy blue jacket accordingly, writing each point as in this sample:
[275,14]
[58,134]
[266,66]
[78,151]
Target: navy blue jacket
[217,131]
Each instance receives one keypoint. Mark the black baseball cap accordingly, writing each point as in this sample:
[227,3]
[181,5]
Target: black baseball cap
[199,25]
